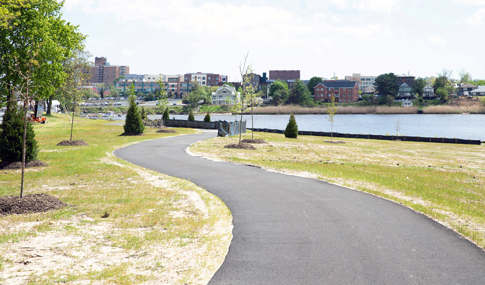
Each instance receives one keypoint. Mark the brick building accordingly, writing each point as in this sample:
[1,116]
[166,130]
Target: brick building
[206,79]
[345,91]
[103,72]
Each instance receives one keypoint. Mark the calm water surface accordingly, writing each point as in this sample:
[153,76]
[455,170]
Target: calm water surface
[450,126]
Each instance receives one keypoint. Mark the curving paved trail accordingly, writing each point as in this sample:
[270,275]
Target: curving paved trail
[293,230]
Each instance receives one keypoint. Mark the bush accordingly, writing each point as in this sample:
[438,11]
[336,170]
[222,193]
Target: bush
[165,115]
[191,116]
[12,137]
[291,130]
[207,117]
[133,123]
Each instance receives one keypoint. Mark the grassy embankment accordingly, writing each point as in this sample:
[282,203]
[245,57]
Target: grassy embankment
[159,228]
[443,181]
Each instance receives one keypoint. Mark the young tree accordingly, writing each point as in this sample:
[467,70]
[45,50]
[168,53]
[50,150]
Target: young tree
[389,100]
[291,130]
[133,122]
[247,92]
[331,112]
[387,84]
[465,77]
[70,93]
[162,102]
[442,93]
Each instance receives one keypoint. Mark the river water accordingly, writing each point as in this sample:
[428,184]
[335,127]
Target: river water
[463,126]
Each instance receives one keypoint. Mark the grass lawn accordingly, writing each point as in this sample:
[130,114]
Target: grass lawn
[443,181]
[159,228]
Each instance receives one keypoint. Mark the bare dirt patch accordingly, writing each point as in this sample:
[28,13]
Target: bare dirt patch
[256,141]
[240,146]
[335,142]
[33,203]
[18,164]
[166,131]
[74,142]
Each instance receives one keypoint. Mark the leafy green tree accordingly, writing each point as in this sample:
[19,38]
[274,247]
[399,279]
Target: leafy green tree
[389,100]
[280,91]
[299,95]
[207,117]
[34,31]
[387,84]
[291,130]
[312,83]
[133,122]
[331,112]
[166,115]
[480,82]
[191,116]
[442,93]
[418,86]
[11,138]
[465,77]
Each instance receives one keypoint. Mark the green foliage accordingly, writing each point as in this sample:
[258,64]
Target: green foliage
[418,86]
[38,30]
[191,116]
[207,118]
[480,82]
[165,115]
[143,114]
[442,93]
[279,91]
[133,123]
[331,112]
[312,83]
[291,130]
[299,95]
[12,136]
[387,84]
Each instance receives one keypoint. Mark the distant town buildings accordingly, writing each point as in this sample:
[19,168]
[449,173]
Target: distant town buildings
[345,91]
[206,79]
[224,94]
[363,81]
[103,72]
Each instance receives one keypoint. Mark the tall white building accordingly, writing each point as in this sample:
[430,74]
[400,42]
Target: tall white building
[362,81]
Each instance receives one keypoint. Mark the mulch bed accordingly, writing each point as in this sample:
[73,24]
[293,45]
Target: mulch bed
[131,134]
[18,164]
[69,143]
[337,142]
[34,203]
[166,131]
[257,141]
[240,146]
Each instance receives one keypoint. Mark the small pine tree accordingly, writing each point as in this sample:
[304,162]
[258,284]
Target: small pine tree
[291,130]
[165,115]
[12,136]
[207,117]
[191,116]
[143,114]
[133,123]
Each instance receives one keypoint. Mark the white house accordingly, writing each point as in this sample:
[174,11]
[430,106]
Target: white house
[224,94]
[429,92]
[480,91]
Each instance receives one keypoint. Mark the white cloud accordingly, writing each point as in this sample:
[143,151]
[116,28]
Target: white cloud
[477,19]
[436,40]
[251,25]
[369,5]
[470,2]
[127,52]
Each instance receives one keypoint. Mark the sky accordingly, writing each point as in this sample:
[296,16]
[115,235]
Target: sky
[317,37]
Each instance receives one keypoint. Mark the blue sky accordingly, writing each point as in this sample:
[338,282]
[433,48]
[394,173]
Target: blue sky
[370,37]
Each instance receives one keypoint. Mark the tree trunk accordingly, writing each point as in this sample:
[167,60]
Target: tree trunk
[252,123]
[24,149]
[72,121]
[240,123]
[49,104]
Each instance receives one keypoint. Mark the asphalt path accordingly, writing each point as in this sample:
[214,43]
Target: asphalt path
[295,230]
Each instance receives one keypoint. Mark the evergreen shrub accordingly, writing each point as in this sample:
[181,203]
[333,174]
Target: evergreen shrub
[133,123]
[191,116]
[165,115]
[207,117]
[143,114]
[12,137]
[291,130]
